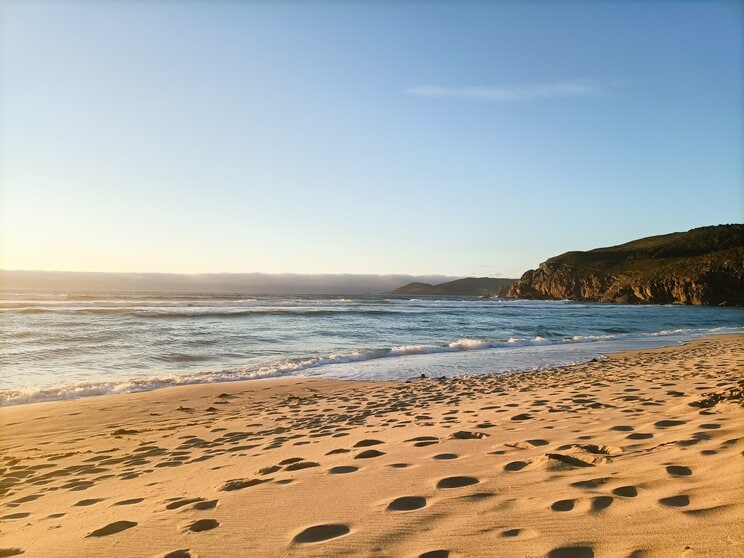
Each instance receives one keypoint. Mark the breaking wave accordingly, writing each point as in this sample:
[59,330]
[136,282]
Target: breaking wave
[296,366]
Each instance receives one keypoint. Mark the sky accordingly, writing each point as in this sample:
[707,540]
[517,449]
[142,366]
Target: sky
[454,138]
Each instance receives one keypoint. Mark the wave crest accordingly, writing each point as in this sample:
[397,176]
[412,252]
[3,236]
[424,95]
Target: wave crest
[297,366]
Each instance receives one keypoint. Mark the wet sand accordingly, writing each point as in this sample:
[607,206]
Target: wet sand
[637,455]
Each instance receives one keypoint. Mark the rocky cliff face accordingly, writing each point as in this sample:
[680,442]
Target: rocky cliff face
[630,275]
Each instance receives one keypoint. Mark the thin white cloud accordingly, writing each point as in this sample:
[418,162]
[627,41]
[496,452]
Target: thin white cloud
[522,92]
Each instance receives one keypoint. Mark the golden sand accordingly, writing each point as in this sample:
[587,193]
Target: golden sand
[637,455]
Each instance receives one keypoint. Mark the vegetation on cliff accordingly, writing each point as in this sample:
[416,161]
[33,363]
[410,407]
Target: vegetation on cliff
[703,266]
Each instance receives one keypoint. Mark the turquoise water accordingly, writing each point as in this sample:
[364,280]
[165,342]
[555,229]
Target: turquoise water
[57,346]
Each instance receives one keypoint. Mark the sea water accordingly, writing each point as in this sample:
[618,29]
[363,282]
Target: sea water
[66,345]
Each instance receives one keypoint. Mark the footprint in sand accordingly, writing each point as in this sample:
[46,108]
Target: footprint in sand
[89,502]
[407,503]
[572,552]
[676,501]
[301,465]
[180,553]
[129,502]
[678,471]
[563,505]
[205,505]
[200,525]
[368,443]
[515,466]
[446,456]
[338,450]
[367,454]
[318,533]
[112,529]
[435,554]
[669,423]
[626,491]
[710,426]
[601,503]
[343,469]
[457,482]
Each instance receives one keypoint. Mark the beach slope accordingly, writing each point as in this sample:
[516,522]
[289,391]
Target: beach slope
[636,455]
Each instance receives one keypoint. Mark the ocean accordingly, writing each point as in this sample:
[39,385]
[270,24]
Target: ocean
[63,345]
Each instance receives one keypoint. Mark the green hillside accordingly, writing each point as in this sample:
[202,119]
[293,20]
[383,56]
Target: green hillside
[647,254]
[702,266]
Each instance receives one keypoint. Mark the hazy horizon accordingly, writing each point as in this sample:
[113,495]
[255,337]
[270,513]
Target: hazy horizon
[255,283]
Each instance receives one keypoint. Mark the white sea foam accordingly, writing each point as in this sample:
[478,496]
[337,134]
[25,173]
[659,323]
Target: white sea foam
[54,347]
[301,365]
[469,344]
[590,337]
[277,369]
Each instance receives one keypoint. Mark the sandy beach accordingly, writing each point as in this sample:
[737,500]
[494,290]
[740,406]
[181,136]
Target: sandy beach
[636,455]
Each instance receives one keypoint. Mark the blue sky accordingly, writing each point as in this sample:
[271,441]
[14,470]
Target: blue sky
[459,138]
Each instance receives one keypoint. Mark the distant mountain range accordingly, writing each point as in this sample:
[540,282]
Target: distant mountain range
[470,286]
[275,283]
[703,266]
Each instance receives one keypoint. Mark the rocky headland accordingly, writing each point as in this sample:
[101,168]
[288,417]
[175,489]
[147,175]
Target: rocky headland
[703,266]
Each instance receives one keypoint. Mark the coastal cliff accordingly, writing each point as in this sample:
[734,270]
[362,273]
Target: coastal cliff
[703,266]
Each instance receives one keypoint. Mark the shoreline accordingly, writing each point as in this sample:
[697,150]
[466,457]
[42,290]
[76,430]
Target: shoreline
[188,379]
[570,461]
